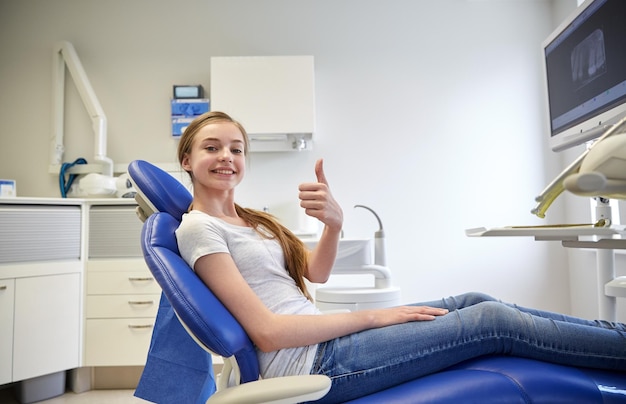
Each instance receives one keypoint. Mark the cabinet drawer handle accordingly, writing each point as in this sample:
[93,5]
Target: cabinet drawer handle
[3,287]
[139,278]
[138,327]
[140,302]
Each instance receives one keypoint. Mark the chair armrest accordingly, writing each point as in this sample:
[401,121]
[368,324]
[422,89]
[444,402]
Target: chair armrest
[278,390]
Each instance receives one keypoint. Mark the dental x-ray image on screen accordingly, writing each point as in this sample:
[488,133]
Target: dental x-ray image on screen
[585,70]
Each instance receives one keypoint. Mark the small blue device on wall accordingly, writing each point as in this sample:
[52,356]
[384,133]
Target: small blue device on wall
[186,105]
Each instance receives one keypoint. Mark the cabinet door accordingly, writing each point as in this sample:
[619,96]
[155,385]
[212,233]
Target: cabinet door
[7,293]
[47,325]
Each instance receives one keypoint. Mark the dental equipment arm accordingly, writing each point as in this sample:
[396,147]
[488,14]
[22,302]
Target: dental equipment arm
[557,186]
[65,55]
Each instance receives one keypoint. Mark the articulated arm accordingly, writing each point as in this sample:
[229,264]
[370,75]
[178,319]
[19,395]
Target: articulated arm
[557,186]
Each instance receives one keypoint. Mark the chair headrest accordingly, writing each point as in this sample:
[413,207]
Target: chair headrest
[158,191]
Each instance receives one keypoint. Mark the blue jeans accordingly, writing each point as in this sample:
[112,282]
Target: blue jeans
[477,325]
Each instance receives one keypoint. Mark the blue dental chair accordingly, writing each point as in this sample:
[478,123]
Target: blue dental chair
[494,379]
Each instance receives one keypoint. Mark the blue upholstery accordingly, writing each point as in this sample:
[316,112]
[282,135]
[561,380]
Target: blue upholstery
[501,379]
[159,189]
[194,303]
[496,379]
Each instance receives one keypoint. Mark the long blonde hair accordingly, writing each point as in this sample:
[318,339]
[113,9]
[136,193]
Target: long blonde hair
[294,250]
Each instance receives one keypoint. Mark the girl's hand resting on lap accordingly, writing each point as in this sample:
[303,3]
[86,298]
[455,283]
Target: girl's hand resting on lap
[403,314]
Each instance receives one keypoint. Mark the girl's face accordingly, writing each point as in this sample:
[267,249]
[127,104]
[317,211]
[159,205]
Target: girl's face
[217,159]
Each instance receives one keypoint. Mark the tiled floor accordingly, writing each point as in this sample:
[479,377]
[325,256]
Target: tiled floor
[88,397]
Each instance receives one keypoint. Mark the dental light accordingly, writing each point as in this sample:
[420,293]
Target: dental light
[65,56]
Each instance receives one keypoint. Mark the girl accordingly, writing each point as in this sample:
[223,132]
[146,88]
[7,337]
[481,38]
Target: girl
[256,267]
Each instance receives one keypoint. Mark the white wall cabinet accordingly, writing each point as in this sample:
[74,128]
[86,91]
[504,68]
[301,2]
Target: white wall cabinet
[272,96]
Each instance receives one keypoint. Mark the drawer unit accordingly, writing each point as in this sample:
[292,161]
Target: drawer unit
[121,296]
[120,308]
[118,342]
[124,282]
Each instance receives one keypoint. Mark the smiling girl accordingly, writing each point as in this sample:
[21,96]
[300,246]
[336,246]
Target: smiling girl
[257,267]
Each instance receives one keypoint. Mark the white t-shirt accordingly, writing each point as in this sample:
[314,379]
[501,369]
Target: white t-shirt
[261,262]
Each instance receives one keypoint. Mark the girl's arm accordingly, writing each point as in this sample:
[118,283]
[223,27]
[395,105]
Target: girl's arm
[322,258]
[271,332]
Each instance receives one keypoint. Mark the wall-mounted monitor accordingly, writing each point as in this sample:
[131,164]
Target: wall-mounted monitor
[585,71]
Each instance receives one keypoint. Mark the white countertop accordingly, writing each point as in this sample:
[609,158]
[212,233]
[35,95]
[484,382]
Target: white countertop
[66,201]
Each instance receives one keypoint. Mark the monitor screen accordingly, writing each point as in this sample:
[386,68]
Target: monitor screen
[585,70]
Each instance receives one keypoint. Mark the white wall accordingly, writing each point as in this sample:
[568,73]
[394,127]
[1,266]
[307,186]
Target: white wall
[431,112]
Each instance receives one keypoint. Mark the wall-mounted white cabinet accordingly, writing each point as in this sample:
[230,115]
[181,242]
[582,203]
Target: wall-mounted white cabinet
[272,96]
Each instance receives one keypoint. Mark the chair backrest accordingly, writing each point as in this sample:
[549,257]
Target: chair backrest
[204,316]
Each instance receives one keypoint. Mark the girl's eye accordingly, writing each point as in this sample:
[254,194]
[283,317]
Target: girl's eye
[211,148]
[237,151]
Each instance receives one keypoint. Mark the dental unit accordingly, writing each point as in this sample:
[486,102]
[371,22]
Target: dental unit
[95,179]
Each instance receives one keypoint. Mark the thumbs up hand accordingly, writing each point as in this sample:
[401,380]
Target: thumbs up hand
[318,202]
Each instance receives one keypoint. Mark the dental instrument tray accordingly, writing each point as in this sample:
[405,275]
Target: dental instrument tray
[562,232]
